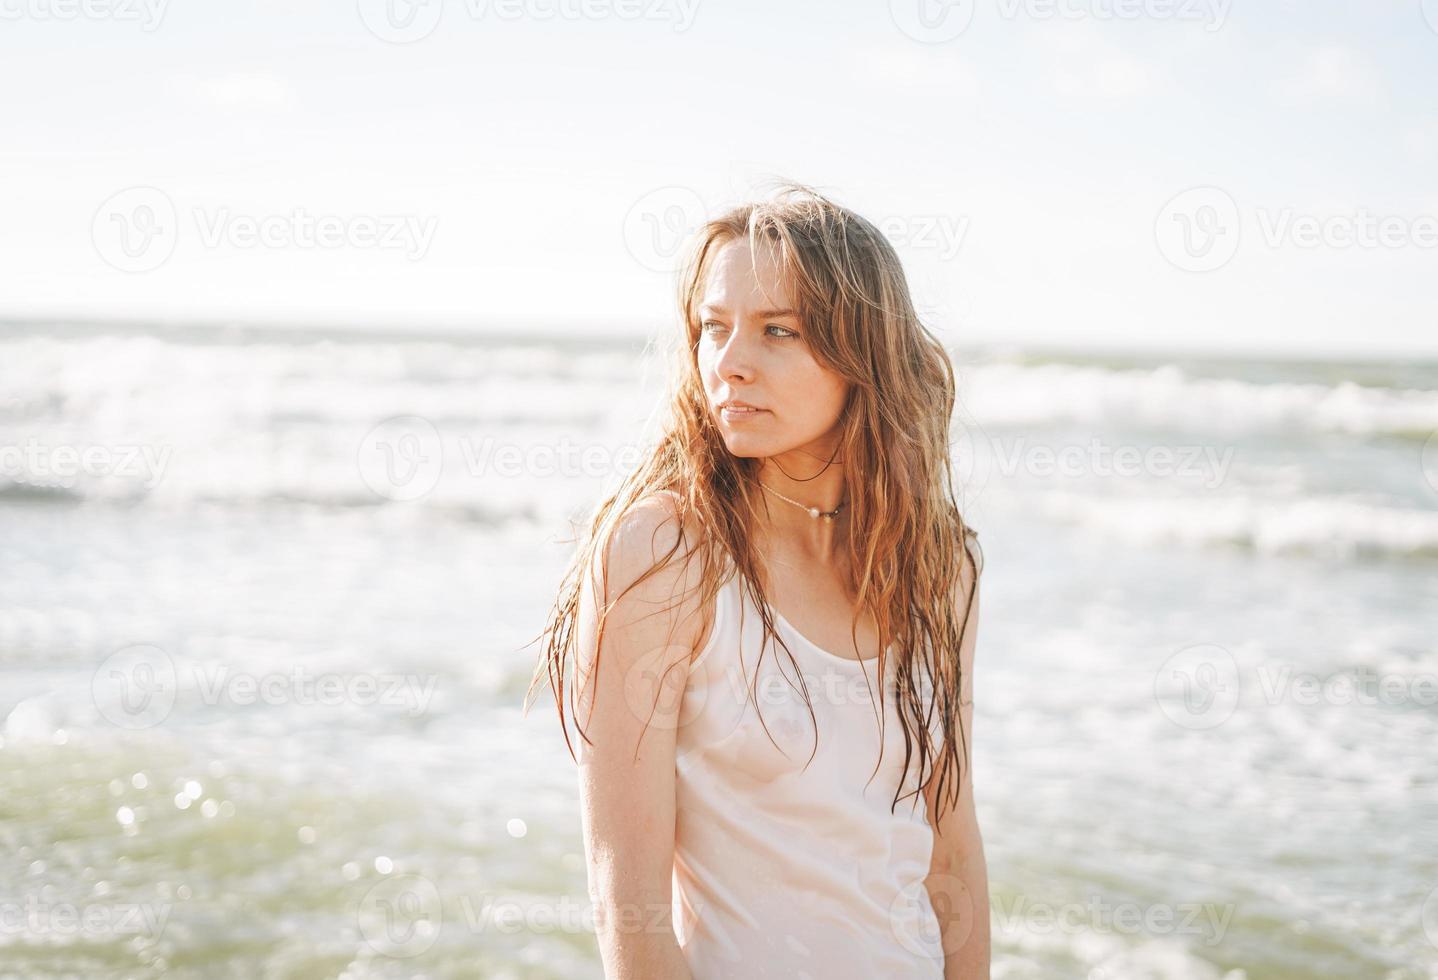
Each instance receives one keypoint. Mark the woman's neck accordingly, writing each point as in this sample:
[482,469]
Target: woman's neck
[792,537]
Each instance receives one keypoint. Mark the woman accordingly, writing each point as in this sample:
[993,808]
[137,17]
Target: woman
[744,812]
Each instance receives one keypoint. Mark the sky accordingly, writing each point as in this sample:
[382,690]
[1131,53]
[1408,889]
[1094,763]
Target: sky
[1214,175]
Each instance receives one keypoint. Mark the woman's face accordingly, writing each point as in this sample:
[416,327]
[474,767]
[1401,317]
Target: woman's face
[751,349]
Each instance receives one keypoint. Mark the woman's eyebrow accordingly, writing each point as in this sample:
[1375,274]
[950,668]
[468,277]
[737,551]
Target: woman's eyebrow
[761,314]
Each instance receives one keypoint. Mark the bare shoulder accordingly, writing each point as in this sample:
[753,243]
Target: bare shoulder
[966,602]
[647,532]
[963,597]
[971,538]
[966,610]
[971,567]
[649,569]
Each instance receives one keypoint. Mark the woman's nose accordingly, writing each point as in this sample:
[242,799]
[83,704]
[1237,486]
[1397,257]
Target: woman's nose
[736,357]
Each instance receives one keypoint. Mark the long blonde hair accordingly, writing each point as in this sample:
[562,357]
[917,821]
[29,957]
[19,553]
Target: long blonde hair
[859,321]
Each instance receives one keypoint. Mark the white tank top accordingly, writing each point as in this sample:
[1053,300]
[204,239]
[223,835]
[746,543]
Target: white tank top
[782,870]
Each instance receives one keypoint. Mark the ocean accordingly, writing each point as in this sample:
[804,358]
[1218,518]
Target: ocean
[267,602]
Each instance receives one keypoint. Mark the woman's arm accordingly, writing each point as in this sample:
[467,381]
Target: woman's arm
[958,881]
[626,782]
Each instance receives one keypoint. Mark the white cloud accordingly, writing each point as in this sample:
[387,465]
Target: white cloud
[242,90]
[1109,78]
[1330,73]
[1420,140]
[1083,62]
[916,65]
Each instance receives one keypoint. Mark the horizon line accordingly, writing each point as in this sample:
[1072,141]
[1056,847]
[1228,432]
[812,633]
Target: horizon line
[610,332]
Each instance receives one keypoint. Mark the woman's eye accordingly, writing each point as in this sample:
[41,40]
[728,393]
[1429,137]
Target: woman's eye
[785,334]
